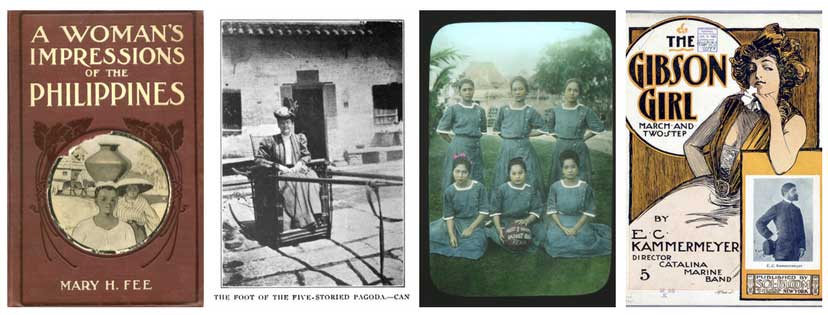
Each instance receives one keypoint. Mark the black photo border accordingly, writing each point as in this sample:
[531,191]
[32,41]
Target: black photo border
[430,23]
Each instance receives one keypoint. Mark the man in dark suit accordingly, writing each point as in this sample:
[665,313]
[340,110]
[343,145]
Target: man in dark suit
[790,239]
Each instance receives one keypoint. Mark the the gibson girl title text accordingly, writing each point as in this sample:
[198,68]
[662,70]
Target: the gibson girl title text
[107,68]
[649,71]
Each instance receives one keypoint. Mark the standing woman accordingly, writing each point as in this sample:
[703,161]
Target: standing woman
[461,126]
[515,124]
[572,124]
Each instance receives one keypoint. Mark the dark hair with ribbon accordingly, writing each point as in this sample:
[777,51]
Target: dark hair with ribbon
[461,159]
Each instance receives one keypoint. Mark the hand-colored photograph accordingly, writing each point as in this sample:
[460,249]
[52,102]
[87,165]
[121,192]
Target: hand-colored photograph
[520,159]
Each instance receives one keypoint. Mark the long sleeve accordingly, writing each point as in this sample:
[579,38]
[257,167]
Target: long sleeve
[593,123]
[265,150]
[446,123]
[304,153]
[762,222]
[800,228]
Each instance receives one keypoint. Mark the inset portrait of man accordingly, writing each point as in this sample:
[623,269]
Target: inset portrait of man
[789,244]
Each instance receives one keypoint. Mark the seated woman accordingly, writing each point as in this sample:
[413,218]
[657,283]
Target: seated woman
[516,202]
[570,206]
[288,152]
[103,231]
[465,206]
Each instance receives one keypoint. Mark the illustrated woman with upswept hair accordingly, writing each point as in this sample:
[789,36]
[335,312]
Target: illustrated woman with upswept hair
[760,117]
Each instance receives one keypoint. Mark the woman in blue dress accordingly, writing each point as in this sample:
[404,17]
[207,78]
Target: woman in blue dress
[572,124]
[465,206]
[515,123]
[461,126]
[570,207]
[516,202]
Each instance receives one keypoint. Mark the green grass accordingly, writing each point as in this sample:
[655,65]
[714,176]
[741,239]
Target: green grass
[501,273]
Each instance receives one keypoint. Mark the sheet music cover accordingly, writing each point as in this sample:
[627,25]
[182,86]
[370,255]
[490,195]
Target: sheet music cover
[105,169]
[725,163]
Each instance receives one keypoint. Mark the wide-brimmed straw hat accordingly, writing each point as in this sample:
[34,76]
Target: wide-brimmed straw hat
[132,178]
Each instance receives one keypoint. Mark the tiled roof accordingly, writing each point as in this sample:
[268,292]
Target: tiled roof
[270,28]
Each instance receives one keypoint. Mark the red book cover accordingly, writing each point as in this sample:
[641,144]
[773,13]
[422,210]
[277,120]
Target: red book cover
[105,158]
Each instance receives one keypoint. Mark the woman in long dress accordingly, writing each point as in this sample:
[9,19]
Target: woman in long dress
[465,206]
[570,206]
[103,231]
[572,124]
[461,126]
[515,123]
[708,206]
[288,152]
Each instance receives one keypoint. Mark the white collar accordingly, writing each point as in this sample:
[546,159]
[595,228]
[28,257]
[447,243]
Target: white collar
[786,200]
[573,108]
[519,108]
[573,186]
[469,106]
[466,188]
[521,187]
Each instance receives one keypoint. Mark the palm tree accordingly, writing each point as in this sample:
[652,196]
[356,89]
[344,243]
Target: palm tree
[441,62]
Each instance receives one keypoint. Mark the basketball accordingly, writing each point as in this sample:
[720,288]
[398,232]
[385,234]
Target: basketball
[517,237]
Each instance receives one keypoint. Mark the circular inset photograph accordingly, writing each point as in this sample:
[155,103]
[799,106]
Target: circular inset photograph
[110,194]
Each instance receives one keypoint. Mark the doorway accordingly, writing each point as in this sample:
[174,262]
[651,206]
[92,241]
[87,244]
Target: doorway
[310,118]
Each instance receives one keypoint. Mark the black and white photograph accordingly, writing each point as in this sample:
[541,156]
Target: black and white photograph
[312,153]
[110,194]
[780,221]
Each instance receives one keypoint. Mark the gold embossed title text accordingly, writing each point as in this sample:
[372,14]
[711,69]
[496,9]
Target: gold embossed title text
[107,69]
